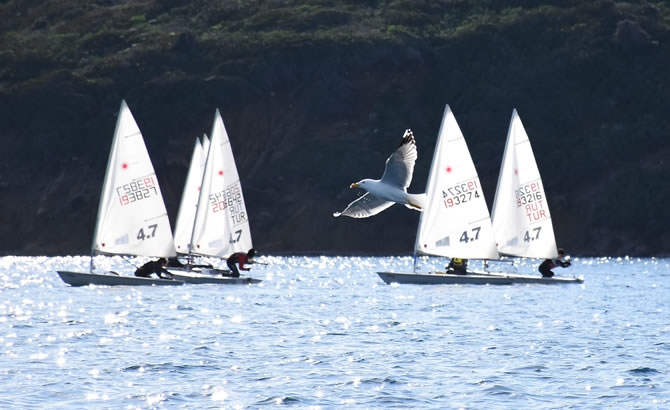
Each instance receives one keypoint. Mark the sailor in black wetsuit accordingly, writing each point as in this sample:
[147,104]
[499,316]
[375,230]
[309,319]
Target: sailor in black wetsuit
[157,267]
[549,264]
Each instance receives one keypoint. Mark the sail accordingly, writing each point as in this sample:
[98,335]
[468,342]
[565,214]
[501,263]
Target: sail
[521,218]
[456,221]
[222,221]
[189,199]
[205,148]
[132,219]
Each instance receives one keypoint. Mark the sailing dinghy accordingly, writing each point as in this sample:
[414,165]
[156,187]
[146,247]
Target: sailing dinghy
[456,221]
[132,219]
[521,219]
[220,224]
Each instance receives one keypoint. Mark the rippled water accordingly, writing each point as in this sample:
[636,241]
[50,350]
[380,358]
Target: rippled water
[328,333]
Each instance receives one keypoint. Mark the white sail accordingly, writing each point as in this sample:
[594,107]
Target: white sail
[456,221]
[521,218]
[222,222]
[132,219]
[189,199]
[205,148]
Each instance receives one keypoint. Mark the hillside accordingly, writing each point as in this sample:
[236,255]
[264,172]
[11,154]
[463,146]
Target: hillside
[315,95]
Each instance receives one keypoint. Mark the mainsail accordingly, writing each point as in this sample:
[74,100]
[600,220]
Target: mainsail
[189,199]
[222,222]
[456,221]
[521,219]
[132,219]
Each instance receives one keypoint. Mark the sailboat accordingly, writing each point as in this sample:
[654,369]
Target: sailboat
[187,208]
[456,221]
[521,219]
[221,222]
[132,218]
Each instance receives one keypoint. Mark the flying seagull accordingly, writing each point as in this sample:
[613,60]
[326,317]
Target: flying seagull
[392,188]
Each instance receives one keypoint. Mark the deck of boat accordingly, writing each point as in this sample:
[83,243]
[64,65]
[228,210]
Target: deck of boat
[475,278]
[112,279]
[194,277]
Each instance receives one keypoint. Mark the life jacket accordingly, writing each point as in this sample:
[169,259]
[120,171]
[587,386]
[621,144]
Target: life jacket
[458,262]
[240,258]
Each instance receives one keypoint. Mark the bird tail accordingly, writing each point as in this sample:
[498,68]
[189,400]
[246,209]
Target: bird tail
[416,201]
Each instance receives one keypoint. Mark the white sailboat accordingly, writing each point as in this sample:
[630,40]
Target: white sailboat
[456,221]
[221,223]
[132,219]
[221,203]
[521,219]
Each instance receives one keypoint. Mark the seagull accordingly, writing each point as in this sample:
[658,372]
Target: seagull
[392,188]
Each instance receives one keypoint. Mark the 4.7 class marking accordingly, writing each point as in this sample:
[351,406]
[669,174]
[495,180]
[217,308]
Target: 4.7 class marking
[470,238]
[528,237]
[150,232]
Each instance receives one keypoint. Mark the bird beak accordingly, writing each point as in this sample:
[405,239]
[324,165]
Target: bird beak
[354,185]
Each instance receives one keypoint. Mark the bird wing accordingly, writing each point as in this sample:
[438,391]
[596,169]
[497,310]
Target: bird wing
[365,206]
[400,165]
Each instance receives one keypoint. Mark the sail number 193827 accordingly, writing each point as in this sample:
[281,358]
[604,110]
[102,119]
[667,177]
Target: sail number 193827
[137,190]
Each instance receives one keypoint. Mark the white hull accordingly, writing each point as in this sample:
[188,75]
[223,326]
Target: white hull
[110,279]
[440,278]
[193,277]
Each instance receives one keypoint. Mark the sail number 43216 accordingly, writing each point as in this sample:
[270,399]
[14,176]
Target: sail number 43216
[528,193]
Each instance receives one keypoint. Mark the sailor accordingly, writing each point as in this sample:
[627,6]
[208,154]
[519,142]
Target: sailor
[457,266]
[174,262]
[549,264]
[241,259]
[157,267]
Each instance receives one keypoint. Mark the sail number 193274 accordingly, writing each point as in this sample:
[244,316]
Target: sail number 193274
[460,193]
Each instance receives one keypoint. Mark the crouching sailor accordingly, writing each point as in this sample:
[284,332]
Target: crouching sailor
[549,264]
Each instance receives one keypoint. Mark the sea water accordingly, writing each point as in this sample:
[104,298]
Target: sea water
[326,332]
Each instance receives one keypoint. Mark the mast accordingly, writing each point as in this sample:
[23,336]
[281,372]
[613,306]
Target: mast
[112,153]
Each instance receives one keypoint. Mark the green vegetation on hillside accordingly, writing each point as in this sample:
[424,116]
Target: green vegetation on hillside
[308,88]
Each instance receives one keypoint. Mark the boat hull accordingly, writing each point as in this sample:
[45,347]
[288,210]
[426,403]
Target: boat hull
[108,279]
[200,278]
[470,279]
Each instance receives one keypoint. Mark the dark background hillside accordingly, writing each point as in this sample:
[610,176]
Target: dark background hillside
[315,95]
